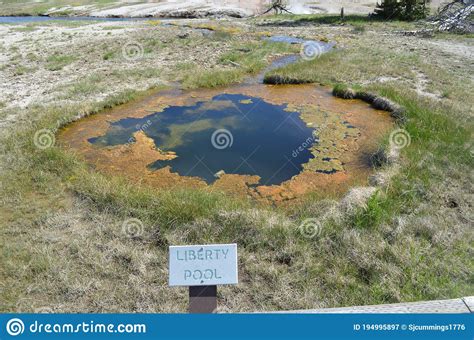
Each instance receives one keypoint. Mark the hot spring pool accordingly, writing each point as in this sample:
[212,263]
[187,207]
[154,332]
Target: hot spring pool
[267,142]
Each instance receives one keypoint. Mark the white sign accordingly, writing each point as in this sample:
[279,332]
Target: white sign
[205,265]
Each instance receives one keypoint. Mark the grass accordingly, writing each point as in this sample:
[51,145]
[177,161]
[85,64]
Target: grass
[207,78]
[111,28]
[355,20]
[85,87]
[244,60]
[348,68]
[324,19]
[444,35]
[359,28]
[63,246]
[21,70]
[57,62]
[27,28]
[109,55]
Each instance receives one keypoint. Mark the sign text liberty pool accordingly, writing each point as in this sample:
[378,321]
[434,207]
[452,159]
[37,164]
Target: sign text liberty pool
[203,265]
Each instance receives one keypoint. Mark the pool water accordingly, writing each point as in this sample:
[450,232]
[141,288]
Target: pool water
[230,133]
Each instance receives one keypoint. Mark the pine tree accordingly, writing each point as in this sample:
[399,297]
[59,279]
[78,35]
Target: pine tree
[402,9]
[388,9]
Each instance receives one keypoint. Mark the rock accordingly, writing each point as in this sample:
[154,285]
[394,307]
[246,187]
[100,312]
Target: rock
[219,174]
[455,17]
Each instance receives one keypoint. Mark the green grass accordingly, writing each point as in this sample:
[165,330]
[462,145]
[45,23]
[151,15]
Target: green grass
[85,87]
[245,60]
[137,73]
[323,19]
[21,70]
[57,62]
[206,78]
[109,55]
[251,57]
[359,27]
[342,91]
[111,28]
[318,19]
[453,36]
[32,57]
[27,28]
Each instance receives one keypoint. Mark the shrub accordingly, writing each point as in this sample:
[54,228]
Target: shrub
[403,9]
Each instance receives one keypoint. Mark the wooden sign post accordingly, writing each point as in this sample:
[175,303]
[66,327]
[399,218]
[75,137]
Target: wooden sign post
[202,268]
[202,299]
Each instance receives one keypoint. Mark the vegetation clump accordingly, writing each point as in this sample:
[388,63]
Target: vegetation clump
[343,91]
[56,62]
[378,102]
[276,79]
